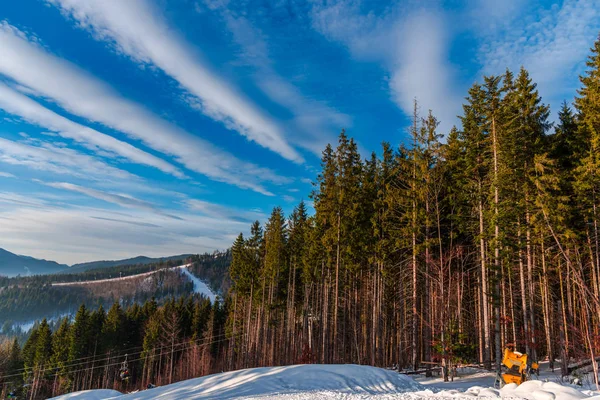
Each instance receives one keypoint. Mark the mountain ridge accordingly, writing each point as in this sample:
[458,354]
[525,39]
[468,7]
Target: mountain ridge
[80,267]
[12,264]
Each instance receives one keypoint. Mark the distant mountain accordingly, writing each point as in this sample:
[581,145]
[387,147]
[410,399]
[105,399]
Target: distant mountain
[13,264]
[143,260]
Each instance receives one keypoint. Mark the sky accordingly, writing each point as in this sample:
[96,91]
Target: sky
[162,127]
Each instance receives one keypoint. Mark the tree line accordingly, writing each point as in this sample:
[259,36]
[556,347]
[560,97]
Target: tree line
[158,345]
[33,297]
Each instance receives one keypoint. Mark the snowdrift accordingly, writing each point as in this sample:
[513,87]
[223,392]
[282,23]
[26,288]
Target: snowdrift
[304,382]
[285,382]
[531,390]
[98,394]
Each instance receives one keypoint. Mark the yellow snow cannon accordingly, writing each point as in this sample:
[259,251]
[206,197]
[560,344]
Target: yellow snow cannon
[519,367]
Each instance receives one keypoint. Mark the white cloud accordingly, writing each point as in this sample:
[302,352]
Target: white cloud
[552,44]
[491,16]
[410,44]
[59,160]
[6,175]
[18,104]
[220,211]
[317,122]
[288,199]
[82,94]
[422,70]
[11,199]
[122,200]
[68,234]
[136,29]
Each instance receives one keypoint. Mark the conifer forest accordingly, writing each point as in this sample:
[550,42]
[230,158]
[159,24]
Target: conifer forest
[439,250]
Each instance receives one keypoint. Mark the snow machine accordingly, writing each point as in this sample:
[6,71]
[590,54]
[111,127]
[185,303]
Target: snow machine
[517,367]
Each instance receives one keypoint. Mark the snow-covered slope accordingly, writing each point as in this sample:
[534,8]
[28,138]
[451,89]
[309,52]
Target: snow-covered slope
[100,394]
[291,382]
[199,286]
[349,382]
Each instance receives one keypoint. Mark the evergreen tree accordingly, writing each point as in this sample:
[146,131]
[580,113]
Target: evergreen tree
[43,349]
[115,331]
[29,352]
[588,171]
[80,333]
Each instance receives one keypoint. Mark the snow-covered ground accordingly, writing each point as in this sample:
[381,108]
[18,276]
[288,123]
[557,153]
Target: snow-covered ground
[350,382]
[100,394]
[199,286]
[25,326]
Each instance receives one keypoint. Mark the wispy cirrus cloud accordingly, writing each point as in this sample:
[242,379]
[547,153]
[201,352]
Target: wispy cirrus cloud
[122,200]
[20,105]
[82,94]
[411,44]
[314,122]
[7,175]
[59,160]
[220,211]
[41,228]
[136,29]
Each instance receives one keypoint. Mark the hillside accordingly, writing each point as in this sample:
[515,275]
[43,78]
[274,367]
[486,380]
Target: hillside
[13,264]
[26,299]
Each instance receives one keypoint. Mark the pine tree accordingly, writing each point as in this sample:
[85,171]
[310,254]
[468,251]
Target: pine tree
[29,353]
[80,332]
[97,320]
[60,354]
[588,172]
[115,331]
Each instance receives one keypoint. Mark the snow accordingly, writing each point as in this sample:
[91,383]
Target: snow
[99,394]
[349,382]
[27,325]
[531,390]
[199,286]
[292,382]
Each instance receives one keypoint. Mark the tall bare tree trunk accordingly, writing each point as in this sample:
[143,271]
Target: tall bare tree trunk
[496,250]
[484,290]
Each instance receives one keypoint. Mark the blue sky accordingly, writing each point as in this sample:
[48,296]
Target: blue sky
[159,127]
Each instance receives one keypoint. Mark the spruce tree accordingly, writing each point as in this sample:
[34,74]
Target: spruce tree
[588,172]
[60,352]
[115,331]
[80,332]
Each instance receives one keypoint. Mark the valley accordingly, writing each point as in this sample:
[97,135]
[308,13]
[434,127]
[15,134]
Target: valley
[26,300]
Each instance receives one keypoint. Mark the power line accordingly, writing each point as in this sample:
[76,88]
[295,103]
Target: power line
[71,364]
[188,345]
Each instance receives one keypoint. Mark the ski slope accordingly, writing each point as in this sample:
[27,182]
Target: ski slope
[199,286]
[124,278]
[320,382]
